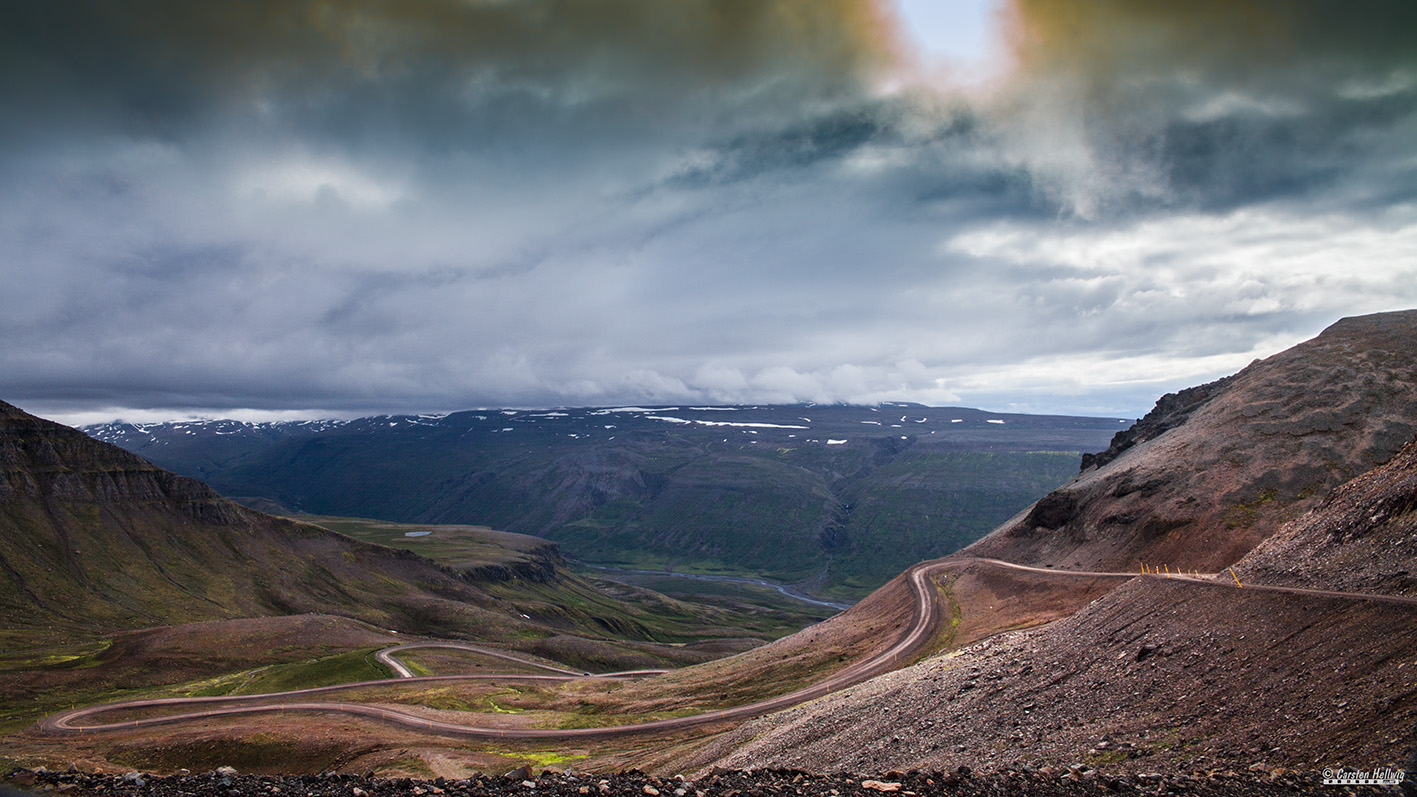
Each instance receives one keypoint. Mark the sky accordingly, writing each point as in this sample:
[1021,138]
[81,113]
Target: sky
[271,209]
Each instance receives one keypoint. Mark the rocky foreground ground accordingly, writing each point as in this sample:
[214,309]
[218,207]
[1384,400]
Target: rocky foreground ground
[1044,783]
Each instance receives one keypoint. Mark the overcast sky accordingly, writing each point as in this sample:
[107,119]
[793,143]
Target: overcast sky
[301,209]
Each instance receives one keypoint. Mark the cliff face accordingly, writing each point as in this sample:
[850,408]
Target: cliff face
[97,538]
[1171,410]
[1215,470]
[47,462]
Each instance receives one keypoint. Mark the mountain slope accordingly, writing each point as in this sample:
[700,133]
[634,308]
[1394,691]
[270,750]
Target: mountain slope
[1213,471]
[97,538]
[1156,676]
[1361,538]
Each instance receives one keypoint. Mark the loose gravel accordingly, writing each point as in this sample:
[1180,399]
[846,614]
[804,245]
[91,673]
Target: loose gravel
[1044,782]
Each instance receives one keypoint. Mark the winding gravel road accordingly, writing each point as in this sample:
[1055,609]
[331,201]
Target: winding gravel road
[924,623]
[914,638]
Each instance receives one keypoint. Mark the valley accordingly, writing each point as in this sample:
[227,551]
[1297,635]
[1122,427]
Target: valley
[927,613]
[780,493]
[538,697]
[1216,593]
[532,577]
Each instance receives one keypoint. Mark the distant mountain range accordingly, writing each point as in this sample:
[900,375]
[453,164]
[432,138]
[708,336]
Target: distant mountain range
[842,496]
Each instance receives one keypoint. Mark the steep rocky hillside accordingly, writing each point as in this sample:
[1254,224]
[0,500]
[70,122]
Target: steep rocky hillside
[855,494]
[1213,471]
[1361,538]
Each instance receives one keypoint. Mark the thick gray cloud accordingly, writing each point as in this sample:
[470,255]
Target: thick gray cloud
[336,207]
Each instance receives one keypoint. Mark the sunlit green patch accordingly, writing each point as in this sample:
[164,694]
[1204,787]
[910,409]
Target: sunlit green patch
[63,657]
[341,668]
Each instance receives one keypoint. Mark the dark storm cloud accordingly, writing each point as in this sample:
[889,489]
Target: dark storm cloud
[368,206]
[1219,104]
[426,69]
[936,155]
[1120,46]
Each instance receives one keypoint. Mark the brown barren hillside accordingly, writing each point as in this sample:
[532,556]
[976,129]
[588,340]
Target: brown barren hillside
[1214,470]
[1158,676]
[1362,538]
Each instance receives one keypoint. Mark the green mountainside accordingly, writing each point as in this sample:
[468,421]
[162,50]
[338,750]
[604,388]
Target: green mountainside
[842,497]
[94,539]
[533,582]
[97,539]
